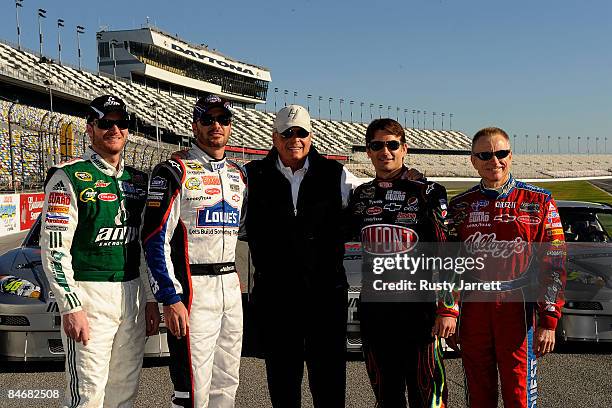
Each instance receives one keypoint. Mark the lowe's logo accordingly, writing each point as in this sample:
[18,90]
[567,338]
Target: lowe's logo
[220,214]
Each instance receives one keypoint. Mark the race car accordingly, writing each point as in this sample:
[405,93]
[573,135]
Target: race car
[587,315]
[30,325]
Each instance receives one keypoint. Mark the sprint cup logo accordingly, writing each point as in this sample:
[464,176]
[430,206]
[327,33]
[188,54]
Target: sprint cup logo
[380,239]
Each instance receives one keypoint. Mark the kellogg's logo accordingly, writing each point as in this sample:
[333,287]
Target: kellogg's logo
[373,210]
[380,239]
[488,243]
[212,191]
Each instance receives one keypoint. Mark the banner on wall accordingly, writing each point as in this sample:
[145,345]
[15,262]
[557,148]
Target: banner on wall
[9,214]
[30,206]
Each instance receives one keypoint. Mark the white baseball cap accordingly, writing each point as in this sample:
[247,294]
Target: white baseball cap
[290,116]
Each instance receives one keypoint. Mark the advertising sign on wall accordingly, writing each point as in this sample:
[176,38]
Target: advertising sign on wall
[31,206]
[9,214]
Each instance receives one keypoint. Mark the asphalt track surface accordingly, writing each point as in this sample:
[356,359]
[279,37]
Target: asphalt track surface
[605,185]
[574,377]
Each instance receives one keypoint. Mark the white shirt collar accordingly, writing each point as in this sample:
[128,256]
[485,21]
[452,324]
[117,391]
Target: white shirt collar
[102,165]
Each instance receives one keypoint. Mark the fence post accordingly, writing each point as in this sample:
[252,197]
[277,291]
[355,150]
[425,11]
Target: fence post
[10,134]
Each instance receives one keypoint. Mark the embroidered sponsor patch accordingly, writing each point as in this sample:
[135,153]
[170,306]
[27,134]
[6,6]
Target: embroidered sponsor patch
[101,183]
[87,195]
[83,176]
[107,197]
[220,214]
[159,183]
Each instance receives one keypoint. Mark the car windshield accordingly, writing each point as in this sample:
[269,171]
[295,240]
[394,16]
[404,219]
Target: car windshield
[587,225]
[32,240]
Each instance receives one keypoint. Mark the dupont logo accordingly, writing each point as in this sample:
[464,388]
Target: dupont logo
[373,210]
[107,197]
[381,239]
[212,191]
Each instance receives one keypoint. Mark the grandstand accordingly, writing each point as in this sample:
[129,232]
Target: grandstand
[37,132]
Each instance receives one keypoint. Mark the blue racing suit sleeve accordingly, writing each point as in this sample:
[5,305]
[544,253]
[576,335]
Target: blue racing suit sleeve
[161,216]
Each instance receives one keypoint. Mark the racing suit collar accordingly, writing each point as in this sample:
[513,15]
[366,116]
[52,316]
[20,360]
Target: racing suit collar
[102,165]
[401,175]
[502,192]
[209,162]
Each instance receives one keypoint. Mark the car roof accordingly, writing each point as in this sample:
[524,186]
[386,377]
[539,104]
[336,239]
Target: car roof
[584,205]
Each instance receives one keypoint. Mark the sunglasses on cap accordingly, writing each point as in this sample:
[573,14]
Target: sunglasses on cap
[223,120]
[377,145]
[295,131]
[106,124]
[485,156]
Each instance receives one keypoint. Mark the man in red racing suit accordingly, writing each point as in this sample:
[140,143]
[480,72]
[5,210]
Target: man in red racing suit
[498,220]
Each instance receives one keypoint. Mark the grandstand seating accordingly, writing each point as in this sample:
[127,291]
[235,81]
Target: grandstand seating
[524,165]
[253,128]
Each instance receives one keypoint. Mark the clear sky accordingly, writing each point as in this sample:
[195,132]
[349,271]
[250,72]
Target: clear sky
[531,67]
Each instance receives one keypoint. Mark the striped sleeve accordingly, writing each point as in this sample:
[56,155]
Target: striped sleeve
[59,220]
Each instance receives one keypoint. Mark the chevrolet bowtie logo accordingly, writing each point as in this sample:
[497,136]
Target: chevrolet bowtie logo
[392,207]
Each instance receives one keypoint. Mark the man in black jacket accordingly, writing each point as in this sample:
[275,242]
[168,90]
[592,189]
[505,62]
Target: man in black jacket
[294,229]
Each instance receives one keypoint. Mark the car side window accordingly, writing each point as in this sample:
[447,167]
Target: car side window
[606,223]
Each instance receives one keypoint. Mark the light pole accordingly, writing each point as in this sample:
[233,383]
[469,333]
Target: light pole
[81,30]
[113,45]
[18,4]
[559,144]
[329,105]
[285,93]
[588,144]
[405,114]
[341,102]
[596,145]
[548,148]
[388,111]
[578,144]
[450,121]
[156,126]
[371,106]
[294,96]
[380,111]
[526,136]
[60,24]
[442,114]
[418,119]
[351,103]
[424,119]
[320,98]
[514,141]
[397,113]
[433,120]
[361,111]
[308,97]
[42,13]
[568,147]
[275,94]
[537,144]
[413,112]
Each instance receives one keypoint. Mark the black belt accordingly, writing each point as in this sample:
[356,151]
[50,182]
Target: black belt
[212,269]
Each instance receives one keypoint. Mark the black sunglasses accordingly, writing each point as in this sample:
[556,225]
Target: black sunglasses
[296,131]
[223,120]
[106,124]
[377,145]
[485,156]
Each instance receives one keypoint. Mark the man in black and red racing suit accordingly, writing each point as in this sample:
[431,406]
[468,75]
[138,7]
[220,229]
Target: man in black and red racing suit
[498,220]
[400,332]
